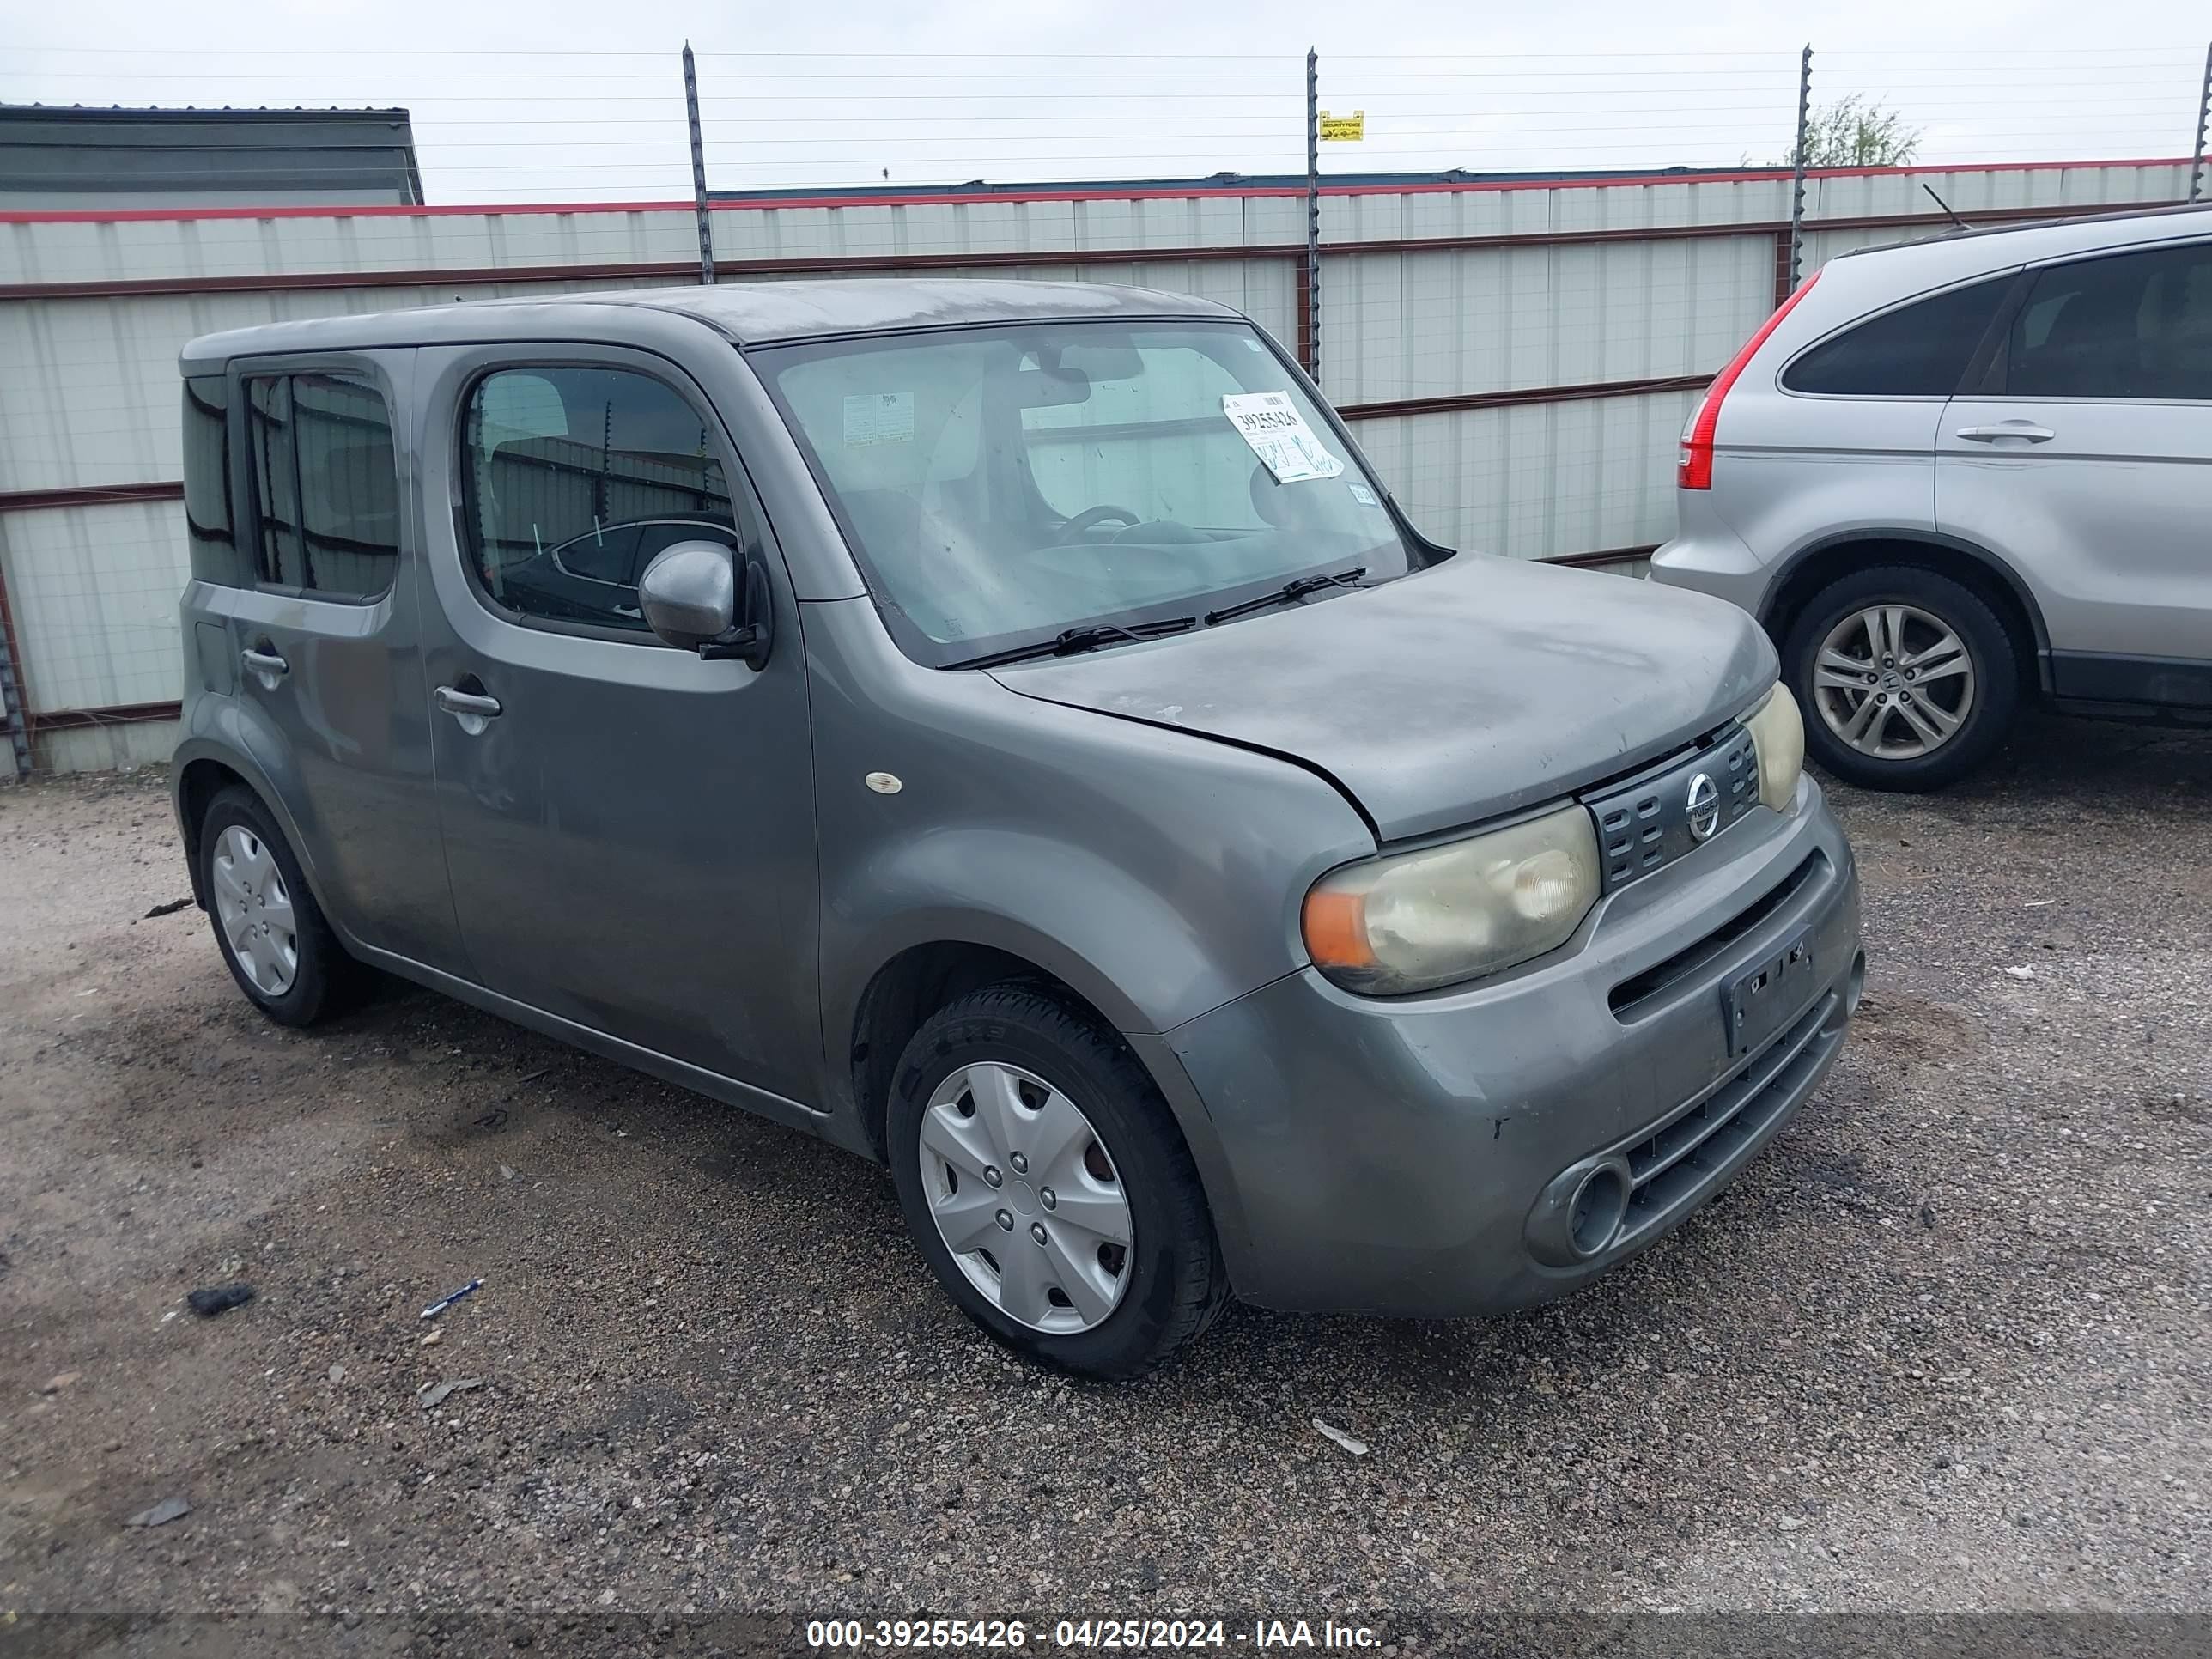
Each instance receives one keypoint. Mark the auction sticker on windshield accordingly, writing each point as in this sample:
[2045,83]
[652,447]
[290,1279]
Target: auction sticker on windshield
[1270,422]
[879,418]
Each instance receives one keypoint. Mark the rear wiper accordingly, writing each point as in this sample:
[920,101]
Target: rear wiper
[1070,641]
[1286,593]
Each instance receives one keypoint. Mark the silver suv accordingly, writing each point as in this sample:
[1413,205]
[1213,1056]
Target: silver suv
[1005,730]
[1954,473]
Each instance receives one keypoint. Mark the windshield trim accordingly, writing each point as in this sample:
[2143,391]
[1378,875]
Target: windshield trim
[920,646]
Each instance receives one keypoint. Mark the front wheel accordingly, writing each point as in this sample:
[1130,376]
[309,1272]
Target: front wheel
[1908,680]
[1045,1183]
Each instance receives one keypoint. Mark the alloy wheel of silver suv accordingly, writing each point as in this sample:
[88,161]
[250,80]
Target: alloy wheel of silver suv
[1909,679]
[1893,682]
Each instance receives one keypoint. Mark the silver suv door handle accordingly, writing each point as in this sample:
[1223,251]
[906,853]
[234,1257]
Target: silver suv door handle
[270,666]
[467,704]
[1985,435]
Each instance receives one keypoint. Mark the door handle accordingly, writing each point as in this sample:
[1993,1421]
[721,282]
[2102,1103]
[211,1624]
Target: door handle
[468,705]
[268,665]
[472,711]
[2024,430]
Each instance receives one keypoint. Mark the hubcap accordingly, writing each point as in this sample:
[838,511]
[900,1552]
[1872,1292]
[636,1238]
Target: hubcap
[1894,680]
[1048,1245]
[254,909]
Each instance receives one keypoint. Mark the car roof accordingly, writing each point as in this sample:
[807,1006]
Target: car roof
[750,314]
[1995,246]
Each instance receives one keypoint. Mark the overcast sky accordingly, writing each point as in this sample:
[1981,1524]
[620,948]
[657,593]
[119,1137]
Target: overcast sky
[549,101]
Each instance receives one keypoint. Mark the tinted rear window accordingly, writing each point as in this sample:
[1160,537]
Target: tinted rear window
[1918,350]
[208,520]
[325,485]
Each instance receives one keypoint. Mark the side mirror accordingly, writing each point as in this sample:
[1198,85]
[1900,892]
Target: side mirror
[690,596]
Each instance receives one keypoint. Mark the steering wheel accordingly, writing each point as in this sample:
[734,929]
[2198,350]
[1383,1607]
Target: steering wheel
[1090,519]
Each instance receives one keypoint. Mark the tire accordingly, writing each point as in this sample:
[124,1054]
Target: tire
[321,970]
[1920,604]
[1167,1279]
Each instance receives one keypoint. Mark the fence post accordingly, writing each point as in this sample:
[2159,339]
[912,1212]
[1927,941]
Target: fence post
[698,169]
[15,715]
[2203,115]
[1313,216]
[1797,166]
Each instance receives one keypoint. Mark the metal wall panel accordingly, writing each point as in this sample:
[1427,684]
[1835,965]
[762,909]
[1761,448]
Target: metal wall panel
[1525,210]
[298,244]
[135,250]
[1967,189]
[996,225]
[244,245]
[1437,324]
[1537,480]
[95,592]
[106,747]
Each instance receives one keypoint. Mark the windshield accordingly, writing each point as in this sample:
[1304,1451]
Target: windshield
[1002,485]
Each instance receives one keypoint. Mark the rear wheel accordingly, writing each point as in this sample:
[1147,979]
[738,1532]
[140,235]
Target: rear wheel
[270,931]
[1045,1183]
[1908,680]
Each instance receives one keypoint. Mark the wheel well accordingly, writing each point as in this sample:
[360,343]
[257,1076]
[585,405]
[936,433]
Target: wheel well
[911,987]
[1971,570]
[203,781]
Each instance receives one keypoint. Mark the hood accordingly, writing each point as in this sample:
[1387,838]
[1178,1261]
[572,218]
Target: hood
[1471,690]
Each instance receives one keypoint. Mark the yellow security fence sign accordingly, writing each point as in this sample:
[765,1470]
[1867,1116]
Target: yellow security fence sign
[1343,129]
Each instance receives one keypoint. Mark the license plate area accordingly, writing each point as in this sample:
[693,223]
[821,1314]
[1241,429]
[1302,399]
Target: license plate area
[1762,1000]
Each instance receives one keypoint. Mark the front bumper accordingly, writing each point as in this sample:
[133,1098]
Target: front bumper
[1437,1155]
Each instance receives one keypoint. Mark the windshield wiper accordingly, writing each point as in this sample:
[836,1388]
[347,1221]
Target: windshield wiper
[1071,642]
[1286,593]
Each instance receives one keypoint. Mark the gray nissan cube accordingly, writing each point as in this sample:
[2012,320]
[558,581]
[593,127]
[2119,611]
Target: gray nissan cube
[1006,729]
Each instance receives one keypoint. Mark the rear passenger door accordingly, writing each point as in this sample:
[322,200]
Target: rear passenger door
[2083,456]
[323,653]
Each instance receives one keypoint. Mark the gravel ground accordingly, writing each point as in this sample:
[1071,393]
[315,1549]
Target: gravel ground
[1943,1347]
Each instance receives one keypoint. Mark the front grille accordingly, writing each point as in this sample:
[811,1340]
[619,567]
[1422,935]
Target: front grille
[1648,992]
[1647,823]
[1671,1165]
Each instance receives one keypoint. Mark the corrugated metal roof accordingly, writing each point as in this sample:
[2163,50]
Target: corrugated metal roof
[77,155]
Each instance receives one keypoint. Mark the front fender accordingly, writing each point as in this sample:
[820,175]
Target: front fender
[1118,943]
[1111,938]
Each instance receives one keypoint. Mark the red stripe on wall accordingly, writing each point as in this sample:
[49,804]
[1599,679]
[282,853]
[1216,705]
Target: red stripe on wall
[33,500]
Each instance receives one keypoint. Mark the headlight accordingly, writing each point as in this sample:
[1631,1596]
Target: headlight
[1777,732]
[1419,920]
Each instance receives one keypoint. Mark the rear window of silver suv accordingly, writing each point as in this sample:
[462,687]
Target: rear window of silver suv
[1916,350]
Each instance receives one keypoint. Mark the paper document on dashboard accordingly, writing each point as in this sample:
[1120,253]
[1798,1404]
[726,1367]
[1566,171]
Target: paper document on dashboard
[1270,422]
